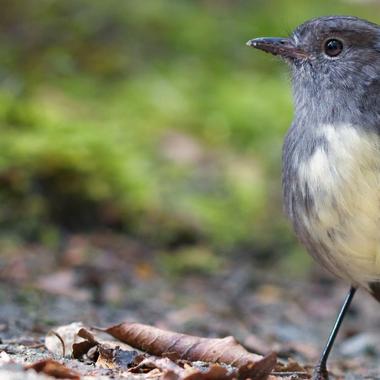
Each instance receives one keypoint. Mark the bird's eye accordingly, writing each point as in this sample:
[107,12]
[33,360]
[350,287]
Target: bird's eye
[333,47]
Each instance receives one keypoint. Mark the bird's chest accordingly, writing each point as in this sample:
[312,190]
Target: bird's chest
[338,191]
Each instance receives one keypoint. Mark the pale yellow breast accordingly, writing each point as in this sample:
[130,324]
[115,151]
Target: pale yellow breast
[344,181]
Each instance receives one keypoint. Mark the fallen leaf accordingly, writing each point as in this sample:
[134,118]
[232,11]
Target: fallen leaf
[214,372]
[103,354]
[62,338]
[79,349]
[54,369]
[181,346]
[163,364]
[254,372]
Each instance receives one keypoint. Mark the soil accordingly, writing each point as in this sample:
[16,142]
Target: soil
[102,280]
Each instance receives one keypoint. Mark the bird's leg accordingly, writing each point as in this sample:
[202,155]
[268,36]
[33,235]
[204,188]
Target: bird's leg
[320,371]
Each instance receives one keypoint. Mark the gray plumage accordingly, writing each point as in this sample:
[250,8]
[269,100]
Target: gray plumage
[331,153]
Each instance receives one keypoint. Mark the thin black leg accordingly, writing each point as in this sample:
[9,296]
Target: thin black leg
[320,372]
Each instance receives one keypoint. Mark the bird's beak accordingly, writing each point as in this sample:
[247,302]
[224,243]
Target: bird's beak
[283,47]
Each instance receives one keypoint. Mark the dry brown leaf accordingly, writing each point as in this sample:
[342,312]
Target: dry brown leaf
[181,346]
[254,372]
[163,364]
[172,371]
[54,369]
[103,354]
[81,348]
[214,372]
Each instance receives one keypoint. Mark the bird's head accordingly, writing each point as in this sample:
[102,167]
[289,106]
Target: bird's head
[329,55]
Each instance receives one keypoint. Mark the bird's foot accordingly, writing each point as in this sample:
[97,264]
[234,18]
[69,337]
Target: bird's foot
[320,373]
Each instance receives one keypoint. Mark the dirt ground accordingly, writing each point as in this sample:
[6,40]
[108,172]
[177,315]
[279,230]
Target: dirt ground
[102,280]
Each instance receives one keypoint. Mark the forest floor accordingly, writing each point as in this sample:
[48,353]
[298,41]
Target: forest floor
[102,280]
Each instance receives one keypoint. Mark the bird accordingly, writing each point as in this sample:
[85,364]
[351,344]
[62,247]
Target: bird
[331,152]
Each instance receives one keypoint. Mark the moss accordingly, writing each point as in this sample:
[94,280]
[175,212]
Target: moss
[150,117]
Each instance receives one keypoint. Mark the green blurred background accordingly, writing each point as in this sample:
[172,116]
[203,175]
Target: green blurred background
[149,118]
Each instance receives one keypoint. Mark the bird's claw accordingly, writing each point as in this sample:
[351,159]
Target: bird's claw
[320,373]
